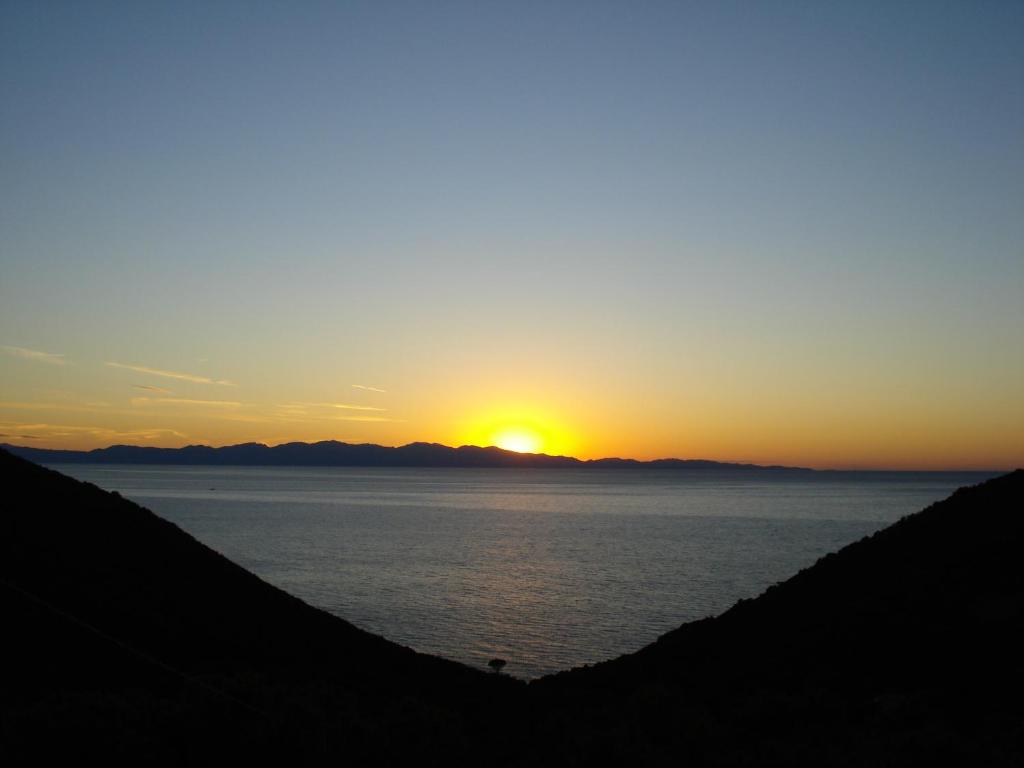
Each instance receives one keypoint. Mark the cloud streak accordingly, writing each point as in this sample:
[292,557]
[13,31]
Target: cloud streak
[172,374]
[38,406]
[50,431]
[149,388]
[184,401]
[364,418]
[368,389]
[343,406]
[35,355]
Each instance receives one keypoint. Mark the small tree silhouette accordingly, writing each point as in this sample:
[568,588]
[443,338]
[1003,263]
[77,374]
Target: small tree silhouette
[496,665]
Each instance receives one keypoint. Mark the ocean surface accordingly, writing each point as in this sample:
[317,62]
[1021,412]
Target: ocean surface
[548,569]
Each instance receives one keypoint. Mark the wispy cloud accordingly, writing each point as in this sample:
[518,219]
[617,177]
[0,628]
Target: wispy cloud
[49,431]
[246,418]
[184,401]
[42,406]
[363,418]
[145,434]
[368,389]
[149,388]
[343,406]
[35,355]
[173,374]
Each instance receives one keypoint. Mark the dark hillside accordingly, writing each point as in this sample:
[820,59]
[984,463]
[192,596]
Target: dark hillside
[123,630]
[903,647]
[126,640]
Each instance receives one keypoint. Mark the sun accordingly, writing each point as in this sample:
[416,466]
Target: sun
[525,428]
[518,439]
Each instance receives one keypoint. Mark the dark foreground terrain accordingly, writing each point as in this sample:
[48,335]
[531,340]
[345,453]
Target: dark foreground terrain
[124,639]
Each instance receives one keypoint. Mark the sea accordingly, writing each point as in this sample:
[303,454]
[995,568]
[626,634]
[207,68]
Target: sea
[548,569]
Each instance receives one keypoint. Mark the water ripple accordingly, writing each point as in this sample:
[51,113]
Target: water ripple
[547,569]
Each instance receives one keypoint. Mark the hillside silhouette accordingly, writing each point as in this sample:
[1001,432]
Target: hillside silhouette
[901,649]
[124,635]
[127,640]
[332,453]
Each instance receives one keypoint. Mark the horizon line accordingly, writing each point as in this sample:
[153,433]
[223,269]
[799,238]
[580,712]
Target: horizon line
[736,462]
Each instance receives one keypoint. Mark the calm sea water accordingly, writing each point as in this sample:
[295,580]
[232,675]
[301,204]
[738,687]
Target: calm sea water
[548,569]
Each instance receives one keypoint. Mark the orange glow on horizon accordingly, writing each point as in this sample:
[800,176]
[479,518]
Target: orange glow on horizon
[518,439]
[763,428]
[523,429]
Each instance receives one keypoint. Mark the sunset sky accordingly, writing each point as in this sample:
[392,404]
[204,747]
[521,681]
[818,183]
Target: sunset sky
[783,232]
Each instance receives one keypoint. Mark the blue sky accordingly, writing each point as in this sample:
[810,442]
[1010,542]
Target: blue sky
[621,214]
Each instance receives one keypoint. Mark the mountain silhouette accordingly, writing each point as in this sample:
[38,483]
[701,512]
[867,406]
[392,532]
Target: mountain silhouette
[127,640]
[331,453]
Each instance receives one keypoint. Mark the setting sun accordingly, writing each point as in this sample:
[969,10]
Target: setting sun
[526,427]
[518,439]
[499,339]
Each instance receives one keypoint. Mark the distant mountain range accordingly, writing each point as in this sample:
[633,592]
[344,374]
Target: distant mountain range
[331,453]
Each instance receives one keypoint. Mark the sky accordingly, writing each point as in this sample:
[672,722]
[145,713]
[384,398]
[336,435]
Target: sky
[781,232]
